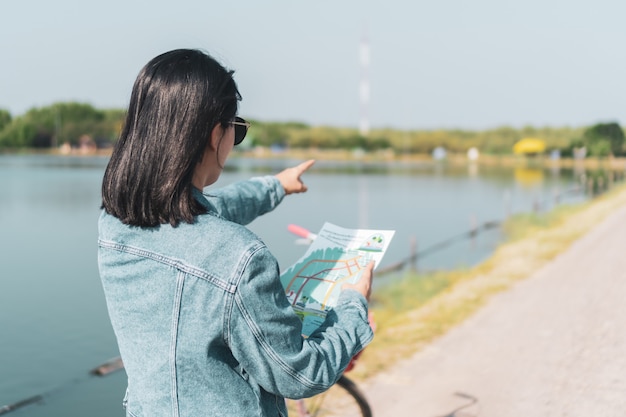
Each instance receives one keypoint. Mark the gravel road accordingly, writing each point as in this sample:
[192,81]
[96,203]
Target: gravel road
[553,345]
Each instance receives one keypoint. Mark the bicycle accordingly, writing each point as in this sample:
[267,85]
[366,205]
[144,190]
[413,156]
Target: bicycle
[344,399]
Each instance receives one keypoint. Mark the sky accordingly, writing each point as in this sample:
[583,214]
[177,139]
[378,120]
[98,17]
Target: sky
[444,64]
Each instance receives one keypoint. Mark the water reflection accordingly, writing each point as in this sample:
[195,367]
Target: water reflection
[528,177]
[472,169]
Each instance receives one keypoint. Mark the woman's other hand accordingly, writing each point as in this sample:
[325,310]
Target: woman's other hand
[364,285]
[290,177]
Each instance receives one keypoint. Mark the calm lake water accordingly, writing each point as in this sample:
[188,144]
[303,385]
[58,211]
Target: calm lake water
[54,326]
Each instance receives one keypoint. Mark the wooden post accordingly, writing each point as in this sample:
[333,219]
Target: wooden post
[536,205]
[557,196]
[507,204]
[473,229]
[413,253]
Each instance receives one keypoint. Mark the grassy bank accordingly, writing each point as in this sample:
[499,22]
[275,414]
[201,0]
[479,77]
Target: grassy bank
[504,160]
[420,308]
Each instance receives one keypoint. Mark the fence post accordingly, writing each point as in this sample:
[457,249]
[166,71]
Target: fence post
[473,229]
[413,253]
[557,196]
[507,204]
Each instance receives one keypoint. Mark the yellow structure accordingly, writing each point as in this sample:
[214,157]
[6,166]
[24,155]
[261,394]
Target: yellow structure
[529,146]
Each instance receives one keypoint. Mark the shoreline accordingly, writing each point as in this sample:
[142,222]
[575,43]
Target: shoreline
[610,163]
[351,156]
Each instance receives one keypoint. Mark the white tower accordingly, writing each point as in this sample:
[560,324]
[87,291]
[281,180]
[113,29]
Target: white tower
[364,125]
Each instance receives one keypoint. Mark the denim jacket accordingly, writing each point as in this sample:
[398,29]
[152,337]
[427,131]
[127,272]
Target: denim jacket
[201,319]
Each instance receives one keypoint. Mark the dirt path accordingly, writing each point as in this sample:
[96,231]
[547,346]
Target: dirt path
[553,345]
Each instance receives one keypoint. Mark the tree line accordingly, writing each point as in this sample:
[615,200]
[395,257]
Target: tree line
[60,123]
[76,123]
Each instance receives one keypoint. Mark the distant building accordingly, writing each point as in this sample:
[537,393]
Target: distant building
[439,153]
[529,146]
[472,154]
[580,153]
[86,145]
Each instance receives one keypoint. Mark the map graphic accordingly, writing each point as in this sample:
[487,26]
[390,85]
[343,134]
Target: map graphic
[337,256]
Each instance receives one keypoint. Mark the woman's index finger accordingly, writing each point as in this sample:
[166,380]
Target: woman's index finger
[303,167]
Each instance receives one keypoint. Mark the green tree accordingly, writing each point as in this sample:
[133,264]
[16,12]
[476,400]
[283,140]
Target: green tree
[604,138]
[61,123]
[17,134]
[5,118]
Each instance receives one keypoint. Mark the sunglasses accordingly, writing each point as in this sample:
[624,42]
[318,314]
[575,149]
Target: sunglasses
[241,128]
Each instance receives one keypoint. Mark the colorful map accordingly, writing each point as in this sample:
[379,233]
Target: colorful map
[337,256]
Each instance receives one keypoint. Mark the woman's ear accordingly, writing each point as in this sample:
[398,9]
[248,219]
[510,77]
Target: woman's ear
[216,136]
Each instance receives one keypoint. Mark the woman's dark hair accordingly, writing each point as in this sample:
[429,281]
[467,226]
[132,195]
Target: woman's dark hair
[177,100]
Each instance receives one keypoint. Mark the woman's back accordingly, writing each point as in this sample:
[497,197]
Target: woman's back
[169,290]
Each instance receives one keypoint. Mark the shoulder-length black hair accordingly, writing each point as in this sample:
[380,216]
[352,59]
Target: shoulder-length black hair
[176,101]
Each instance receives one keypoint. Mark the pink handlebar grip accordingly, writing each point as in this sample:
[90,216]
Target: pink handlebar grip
[301,231]
[298,230]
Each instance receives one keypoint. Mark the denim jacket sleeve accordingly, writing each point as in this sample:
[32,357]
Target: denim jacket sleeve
[244,201]
[264,333]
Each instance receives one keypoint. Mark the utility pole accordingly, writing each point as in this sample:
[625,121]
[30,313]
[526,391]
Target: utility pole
[364,125]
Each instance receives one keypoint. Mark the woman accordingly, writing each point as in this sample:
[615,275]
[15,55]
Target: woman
[201,319]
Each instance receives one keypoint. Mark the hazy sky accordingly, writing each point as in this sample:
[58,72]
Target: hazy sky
[433,64]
